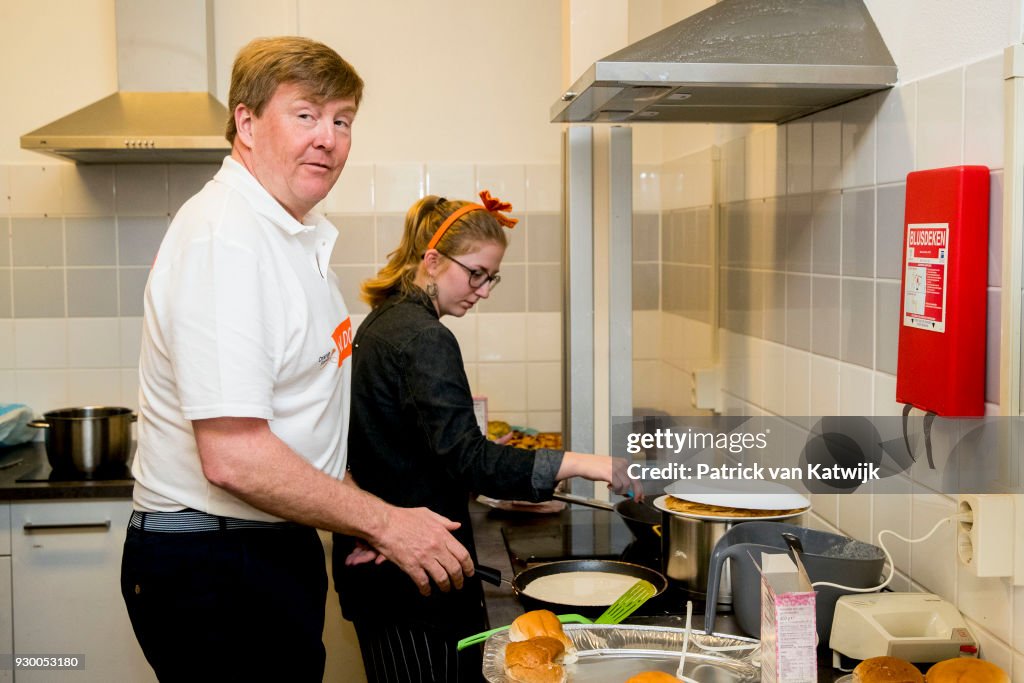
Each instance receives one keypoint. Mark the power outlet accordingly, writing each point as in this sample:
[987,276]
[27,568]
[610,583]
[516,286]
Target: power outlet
[984,541]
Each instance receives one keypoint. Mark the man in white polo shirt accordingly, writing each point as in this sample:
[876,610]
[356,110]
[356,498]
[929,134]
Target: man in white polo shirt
[244,397]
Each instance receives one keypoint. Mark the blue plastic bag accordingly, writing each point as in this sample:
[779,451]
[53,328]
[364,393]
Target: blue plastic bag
[14,419]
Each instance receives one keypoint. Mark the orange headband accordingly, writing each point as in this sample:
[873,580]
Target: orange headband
[491,205]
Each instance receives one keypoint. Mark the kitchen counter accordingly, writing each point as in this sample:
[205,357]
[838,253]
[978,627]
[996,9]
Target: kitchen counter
[28,461]
[503,606]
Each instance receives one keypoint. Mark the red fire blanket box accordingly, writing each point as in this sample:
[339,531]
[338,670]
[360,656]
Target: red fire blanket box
[941,363]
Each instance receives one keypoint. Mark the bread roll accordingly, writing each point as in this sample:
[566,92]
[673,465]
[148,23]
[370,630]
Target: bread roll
[653,677]
[535,661]
[546,673]
[886,670]
[538,623]
[965,670]
[534,652]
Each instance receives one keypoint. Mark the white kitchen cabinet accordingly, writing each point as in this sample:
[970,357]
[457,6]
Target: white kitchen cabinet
[66,567]
[6,625]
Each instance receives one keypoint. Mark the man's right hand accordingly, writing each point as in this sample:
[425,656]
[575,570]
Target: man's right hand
[420,542]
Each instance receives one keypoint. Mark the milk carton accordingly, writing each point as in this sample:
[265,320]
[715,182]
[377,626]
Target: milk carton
[788,629]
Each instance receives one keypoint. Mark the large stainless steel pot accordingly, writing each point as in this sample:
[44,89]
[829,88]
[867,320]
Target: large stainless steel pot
[686,547]
[87,439]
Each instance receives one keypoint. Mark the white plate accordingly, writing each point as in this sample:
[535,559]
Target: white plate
[659,503]
[739,493]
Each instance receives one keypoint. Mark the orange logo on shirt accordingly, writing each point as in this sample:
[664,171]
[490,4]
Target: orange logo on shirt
[342,337]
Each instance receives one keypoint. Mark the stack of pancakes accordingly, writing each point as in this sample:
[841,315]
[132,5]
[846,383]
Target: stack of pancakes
[687,507]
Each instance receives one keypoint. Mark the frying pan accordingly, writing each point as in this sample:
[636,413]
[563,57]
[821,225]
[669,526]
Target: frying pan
[525,577]
[641,518]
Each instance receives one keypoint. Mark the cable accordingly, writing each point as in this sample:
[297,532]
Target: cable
[960,516]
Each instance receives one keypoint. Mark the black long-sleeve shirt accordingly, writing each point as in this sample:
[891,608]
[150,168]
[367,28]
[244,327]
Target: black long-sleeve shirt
[414,441]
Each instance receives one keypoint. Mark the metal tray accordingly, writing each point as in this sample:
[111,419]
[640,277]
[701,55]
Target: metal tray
[613,653]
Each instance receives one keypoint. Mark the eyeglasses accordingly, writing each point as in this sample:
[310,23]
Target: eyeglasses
[477,278]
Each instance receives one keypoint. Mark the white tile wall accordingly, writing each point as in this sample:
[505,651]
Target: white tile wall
[141,190]
[504,384]
[454,181]
[5,190]
[544,386]
[926,567]
[502,337]
[94,387]
[465,331]
[984,113]
[945,119]
[543,188]
[824,386]
[646,335]
[94,343]
[858,141]
[35,190]
[797,398]
[827,146]
[856,390]
[755,166]
[799,136]
[647,187]
[885,395]
[7,357]
[773,378]
[130,341]
[734,170]
[41,390]
[504,181]
[544,336]
[353,193]
[88,190]
[940,131]
[775,157]
[59,361]
[897,134]
[396,187]
[41,343]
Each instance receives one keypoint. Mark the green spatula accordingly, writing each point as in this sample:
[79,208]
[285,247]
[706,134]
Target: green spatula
[481,637]
[629,602]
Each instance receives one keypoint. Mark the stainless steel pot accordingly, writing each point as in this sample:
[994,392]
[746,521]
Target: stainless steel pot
[686,547]
[87,439]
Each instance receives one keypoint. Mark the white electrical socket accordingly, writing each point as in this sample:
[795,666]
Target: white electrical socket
[984,542]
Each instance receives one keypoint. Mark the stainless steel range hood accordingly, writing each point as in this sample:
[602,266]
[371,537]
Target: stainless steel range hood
[739,61]
[163,111]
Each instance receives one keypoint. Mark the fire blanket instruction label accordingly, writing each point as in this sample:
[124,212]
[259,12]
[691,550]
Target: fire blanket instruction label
[924,283]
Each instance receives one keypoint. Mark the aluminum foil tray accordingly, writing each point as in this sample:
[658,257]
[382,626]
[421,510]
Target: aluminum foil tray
[613,653]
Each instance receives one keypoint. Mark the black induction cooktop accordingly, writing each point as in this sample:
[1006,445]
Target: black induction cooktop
[44,473]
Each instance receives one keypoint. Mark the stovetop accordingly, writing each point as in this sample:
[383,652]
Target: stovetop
[42,472]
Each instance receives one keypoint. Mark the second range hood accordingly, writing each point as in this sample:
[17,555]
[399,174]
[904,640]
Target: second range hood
[739,61]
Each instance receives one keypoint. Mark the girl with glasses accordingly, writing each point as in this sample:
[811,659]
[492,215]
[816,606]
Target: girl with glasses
[415,442]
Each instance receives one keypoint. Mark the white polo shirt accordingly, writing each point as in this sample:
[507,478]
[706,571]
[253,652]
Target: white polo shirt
[243,318]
